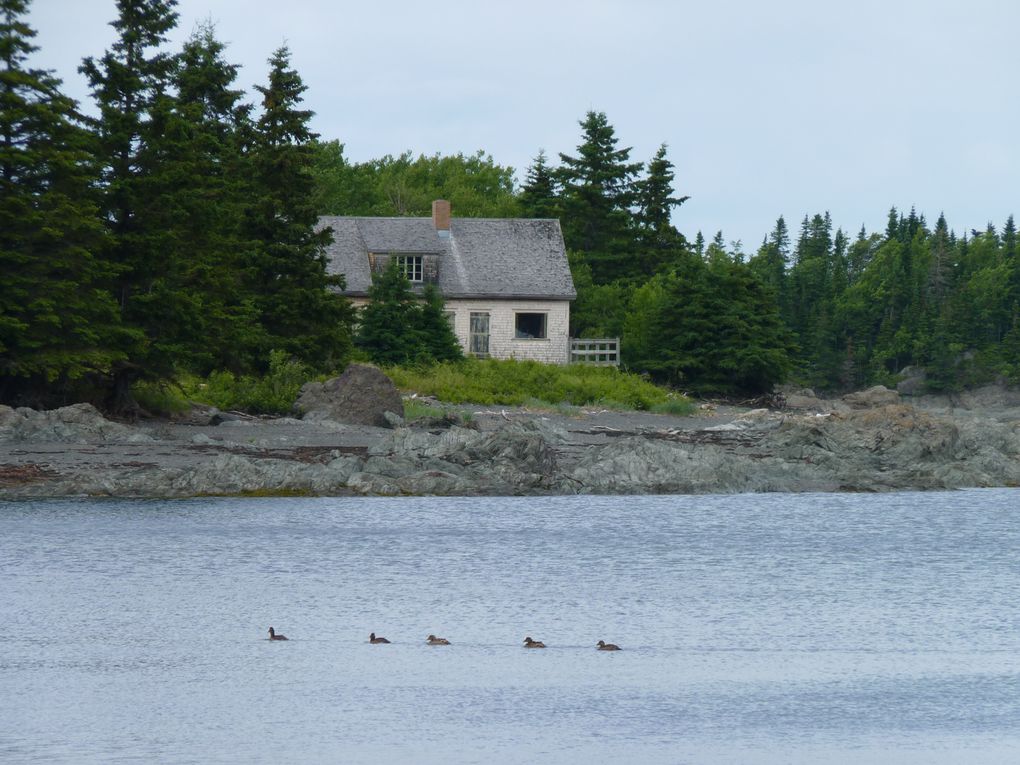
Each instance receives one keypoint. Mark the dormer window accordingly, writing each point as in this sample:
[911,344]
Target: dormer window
[411,266]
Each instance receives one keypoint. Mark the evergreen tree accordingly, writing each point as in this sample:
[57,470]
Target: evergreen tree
[438,342]
[538,196]
[769,264]
[57,322]
[710,327]
[398,328]
[1009,239]
[131,84]
[209,319]
[660,241]
[655,194]
[598,192]
[298,308]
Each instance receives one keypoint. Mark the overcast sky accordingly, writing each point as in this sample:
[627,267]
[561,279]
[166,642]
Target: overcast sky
[787,107]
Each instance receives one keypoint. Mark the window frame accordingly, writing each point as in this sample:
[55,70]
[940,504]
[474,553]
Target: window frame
[412,267]
[544,330]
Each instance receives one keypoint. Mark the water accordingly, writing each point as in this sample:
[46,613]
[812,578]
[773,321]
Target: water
[764,628]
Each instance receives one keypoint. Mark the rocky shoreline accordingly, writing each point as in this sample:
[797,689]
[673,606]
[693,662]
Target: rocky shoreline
[870,441]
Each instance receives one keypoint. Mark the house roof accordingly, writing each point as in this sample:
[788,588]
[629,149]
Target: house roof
[481,258]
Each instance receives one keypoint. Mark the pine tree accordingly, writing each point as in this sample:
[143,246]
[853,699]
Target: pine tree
[209,319]
[57,322]
[298,308]
[770,263]
[655,194]
[660,241]
[598,192]
[131,84]
[437,340]
[538,196]
[1009,239]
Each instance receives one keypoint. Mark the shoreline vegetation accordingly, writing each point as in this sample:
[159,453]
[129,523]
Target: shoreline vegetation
[118,276]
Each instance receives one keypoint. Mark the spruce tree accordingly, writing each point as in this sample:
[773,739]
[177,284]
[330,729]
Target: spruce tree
[438,342]
[57,321]
[131,83]
[660,241]
[299,308]
[538,195]
[387,325]
[655,194]
[202,195]
[598,192]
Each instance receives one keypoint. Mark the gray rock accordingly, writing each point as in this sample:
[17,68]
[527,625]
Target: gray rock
[913,382]
[78,423]
[362,395]
[872,397]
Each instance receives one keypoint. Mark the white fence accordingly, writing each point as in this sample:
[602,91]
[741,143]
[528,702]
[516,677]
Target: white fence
[602,351]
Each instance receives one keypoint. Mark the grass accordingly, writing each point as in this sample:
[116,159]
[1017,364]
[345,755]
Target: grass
[161,399]
[487,382]
[528,383]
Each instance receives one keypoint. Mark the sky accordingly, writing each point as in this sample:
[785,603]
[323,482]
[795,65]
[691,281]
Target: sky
[791,107]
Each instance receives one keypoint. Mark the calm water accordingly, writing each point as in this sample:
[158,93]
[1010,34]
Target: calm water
[765,628]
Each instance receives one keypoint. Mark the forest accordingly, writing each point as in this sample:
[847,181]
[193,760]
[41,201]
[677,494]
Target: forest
[170,229]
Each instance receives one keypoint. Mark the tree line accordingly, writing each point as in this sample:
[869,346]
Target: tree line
[176,232]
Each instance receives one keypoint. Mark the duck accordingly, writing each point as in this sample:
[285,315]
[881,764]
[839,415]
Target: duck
[529,643]
[373,639]
[604,646]
[274,636]
[433,640]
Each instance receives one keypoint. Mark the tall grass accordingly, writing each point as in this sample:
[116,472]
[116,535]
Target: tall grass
[273,393]
[517,383]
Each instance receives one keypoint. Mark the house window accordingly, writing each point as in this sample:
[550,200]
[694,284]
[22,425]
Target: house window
[530,326]
[410,266]
[478,340]
[451,318]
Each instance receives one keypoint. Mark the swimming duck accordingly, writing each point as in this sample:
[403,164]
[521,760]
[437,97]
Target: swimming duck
[373,639]
[529,643]
[604,646]
[274,636]
[433,640]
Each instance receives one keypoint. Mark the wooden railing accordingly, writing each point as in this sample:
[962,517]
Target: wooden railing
[602,351]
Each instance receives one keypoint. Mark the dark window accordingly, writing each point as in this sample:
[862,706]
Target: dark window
[530,326]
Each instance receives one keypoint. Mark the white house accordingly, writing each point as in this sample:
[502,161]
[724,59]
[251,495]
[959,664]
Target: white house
[505,281]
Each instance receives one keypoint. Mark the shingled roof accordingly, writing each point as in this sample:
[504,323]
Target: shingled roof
[481,258]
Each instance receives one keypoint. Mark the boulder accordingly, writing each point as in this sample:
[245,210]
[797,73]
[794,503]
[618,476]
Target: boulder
[872,397]
[913,382]
[362,395]
[77,423]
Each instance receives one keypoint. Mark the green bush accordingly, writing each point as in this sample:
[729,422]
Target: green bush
[274,393]
[159,398]
[519,383]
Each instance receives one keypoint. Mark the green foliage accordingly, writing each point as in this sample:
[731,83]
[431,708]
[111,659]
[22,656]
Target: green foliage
[538,195]
[474,185]
[131,84]
[160,398]
[272,393]
[293,292]
[396,327]
[711,328]
[597,194]
[600,310]
[515,383]
[57,322]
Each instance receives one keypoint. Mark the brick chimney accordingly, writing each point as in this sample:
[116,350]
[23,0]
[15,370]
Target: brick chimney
[441,215]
